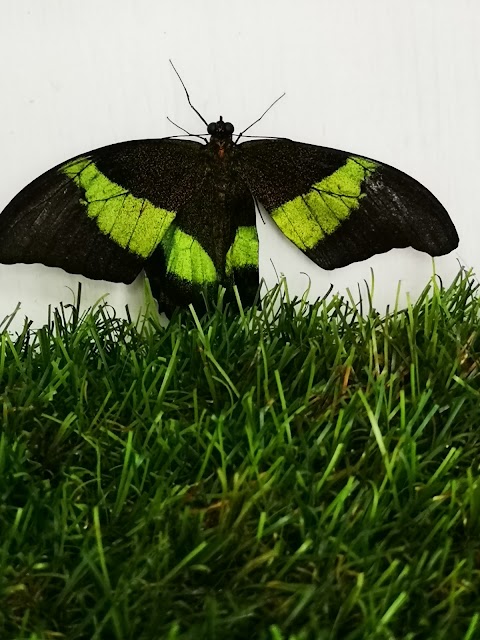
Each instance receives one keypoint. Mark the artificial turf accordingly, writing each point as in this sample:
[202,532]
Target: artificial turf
[291,472]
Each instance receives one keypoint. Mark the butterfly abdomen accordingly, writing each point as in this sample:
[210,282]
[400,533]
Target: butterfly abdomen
[221,204]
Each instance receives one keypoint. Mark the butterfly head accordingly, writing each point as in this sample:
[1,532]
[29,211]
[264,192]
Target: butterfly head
[221,136]
[220,130]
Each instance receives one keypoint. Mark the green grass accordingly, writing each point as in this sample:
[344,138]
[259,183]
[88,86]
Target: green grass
[297,472]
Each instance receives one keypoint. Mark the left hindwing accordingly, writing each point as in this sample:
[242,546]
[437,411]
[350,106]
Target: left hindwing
[340,208]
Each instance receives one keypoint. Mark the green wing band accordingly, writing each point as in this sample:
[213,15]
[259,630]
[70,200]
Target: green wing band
[133,223]
[244,250]
[186,259]
[306,219]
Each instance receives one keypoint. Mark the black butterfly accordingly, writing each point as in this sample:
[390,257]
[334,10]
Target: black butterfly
[185,212]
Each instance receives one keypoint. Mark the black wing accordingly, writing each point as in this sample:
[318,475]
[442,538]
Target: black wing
[340,208]
[102,214]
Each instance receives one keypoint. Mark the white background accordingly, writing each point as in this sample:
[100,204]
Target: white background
[398,81]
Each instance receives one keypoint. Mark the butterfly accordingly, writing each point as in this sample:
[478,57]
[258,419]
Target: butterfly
[184,211]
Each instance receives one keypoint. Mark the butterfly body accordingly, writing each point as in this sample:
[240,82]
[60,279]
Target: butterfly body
[185,212]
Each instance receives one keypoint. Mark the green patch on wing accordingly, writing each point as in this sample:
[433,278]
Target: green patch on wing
[133,223]
[186,259]
[308,218]
[244,250]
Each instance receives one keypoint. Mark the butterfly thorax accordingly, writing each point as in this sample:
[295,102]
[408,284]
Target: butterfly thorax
[220,152]
[226,201]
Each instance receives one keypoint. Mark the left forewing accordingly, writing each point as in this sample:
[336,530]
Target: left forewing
[340,208]
[102,214]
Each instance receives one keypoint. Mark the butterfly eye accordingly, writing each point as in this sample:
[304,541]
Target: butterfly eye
[212,127]
[229,127]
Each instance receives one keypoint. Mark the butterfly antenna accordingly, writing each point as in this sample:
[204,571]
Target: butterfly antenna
[258,119]
[192,135]
[188,97]
[178,126]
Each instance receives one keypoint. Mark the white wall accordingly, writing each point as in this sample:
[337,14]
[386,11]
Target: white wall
[398,81]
